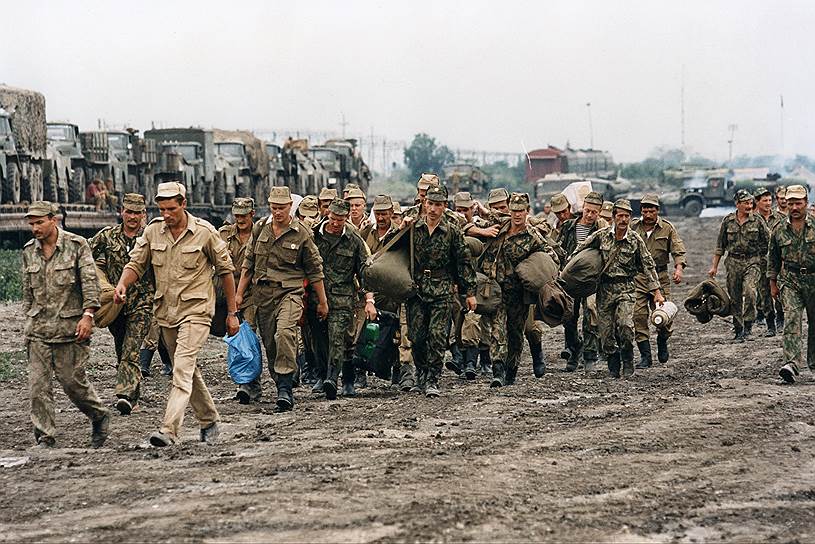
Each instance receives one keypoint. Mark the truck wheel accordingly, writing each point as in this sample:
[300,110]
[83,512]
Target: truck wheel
[49,186]
[76,186]
[693,208]
[220,190]
[11,185]
[37,186]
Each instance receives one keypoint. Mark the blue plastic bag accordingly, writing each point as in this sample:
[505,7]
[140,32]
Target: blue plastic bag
[243,359]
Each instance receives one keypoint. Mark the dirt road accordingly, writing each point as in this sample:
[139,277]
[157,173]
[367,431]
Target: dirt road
[709,447]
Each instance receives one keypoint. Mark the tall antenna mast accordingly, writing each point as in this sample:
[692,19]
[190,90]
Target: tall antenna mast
[682,106]
[732,128]
[343,124]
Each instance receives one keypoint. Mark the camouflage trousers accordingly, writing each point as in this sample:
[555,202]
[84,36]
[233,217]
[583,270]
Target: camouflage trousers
[764,299]
[643,306]
[129,331]
[331,340]
[152,338]
[615,309]
[742,277]
[589,342]
[66,361]
[428,324]
[798,297]
[507,329]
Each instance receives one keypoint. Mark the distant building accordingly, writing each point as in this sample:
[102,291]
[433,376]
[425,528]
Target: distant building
[552,160]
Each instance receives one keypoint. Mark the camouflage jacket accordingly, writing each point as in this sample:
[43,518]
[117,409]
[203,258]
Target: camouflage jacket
[746,241]
[237,249]
[567,235]
[344,260]
[775,218]
[504,252]
[111,251]
[441,259]
[791,251]
[57,291]
[622,258]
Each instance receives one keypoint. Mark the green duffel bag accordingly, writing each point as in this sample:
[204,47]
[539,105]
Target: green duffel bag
[109,310]
[536,271]
[580,275]
[476,246]
[388,271]
[487,295]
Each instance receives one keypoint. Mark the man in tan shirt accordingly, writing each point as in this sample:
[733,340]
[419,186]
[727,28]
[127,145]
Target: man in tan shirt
[183,250]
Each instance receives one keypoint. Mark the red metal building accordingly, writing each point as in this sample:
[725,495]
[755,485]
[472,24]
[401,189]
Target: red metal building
[544,161]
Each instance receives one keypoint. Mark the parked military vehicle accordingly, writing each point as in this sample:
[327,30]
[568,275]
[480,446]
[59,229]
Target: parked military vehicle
[121,156]
[22,144]
[466,177]
[342,160]
[241,166]
[186,155]
[552,184]
[64,169]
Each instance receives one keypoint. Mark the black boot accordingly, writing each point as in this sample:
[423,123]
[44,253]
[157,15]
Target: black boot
[771,330]
[614,364]
[285,398]
[627,356]
[361,379]
[574,359]
[748,330]
[739,337]
[456,364]
[759,316]
[307,370]
[509,375]
[538,359]
[662,348]
[330,381]
[421,381]
[348,376]
[645,354]
[470,358]
[431,388]
[167,369]
[498,374]
[145,358]
[589,360]
[486,362]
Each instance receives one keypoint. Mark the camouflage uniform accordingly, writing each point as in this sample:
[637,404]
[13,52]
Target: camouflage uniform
[237,249]
[111,250]
[792,263]
[765,301]
[55,293]
[745,244]
[623,259]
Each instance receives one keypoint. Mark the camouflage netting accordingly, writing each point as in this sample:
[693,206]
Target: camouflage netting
[27,109]
[255,148]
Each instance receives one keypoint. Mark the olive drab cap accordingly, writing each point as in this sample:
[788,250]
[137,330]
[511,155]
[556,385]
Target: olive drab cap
[498,195]
[134,202]
[426,180]
[309,206]
[761,191]
[622,204]
[354,192]
[650,199]
[40,208]
[280,195]
[350,187]
[382,203]
[606,210]
[743,195]
[796,191]
[519,202]
[437,193]
[339,206]
[327,194]
[463,199]
[170,189]
[780,191]
[243,205]
[559,203]
[593,198]
[397,209]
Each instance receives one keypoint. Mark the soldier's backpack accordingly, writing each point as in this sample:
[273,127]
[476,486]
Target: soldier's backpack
[389,272]
[536,271]
[488,294]
[554,306]
[580,275]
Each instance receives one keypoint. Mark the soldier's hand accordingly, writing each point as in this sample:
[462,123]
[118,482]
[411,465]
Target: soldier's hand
[712,272]
[119,294]
[490,232]
[678,275]
[471,303]
[407,221]
[84,328]
[239,300]
[232,325]
[322,310]
[659,300]
[774,290]
[370,310]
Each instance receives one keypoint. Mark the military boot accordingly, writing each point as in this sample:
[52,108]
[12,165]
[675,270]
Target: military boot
[431,389]
[330,381]
[348,376]
[771,330]
[396,373]
[509,375]
[99,431]
[538,359]
[456,363]
[470,358]
[421,381]
[145,359]
[167,368]
[788,372]
[285,398]
[614,364]
[645,354]
[319,372]
[748,330]
[627,356]
[308,374]
[574,359]
[486,362]
[361,380]
[739,337]
[759,316]
[589,360]
[662,347]
[498,374]
[407,379]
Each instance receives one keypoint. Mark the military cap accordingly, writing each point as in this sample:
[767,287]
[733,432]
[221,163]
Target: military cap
[437,193]
[761,191]
[397,209]
[519,202]
[780,190]
[354,192]
[243,205]
[796,191]
[309,206]
[426,180]
[40,208]
[463,199]
[382,203]
[133,202]
[743,195]
[327,194]
[622,204]
[339,207]
[559,203]
[650,199]
[606,210]
[593,198]
[350,187]
[280,195]
[170,189]
[498,195]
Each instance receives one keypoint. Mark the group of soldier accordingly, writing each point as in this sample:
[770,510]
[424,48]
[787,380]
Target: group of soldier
[298,278]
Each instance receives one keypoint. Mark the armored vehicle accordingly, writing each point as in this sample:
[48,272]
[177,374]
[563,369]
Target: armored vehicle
[22,144]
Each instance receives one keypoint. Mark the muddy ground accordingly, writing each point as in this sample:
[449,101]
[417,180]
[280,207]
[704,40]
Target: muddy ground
[710,447]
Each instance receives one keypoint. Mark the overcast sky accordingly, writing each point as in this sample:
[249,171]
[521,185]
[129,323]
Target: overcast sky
[484,75]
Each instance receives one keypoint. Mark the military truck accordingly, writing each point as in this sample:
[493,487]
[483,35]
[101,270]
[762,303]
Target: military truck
[22,144]
[121,156]
[466,177]
[64,168]
[347,166]
[241,166]
[552,184]
[186,155]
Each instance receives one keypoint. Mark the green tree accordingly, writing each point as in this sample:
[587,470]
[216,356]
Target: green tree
[425,155]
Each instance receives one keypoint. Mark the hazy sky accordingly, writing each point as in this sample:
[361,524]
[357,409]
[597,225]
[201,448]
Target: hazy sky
[476,74]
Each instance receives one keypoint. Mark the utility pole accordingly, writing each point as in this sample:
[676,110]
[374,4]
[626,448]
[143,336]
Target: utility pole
[343,124]
[371,151]
[591,128]
[682,107]
[732,128]
[782,128]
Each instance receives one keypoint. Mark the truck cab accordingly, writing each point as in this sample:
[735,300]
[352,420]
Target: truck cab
[232,172]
